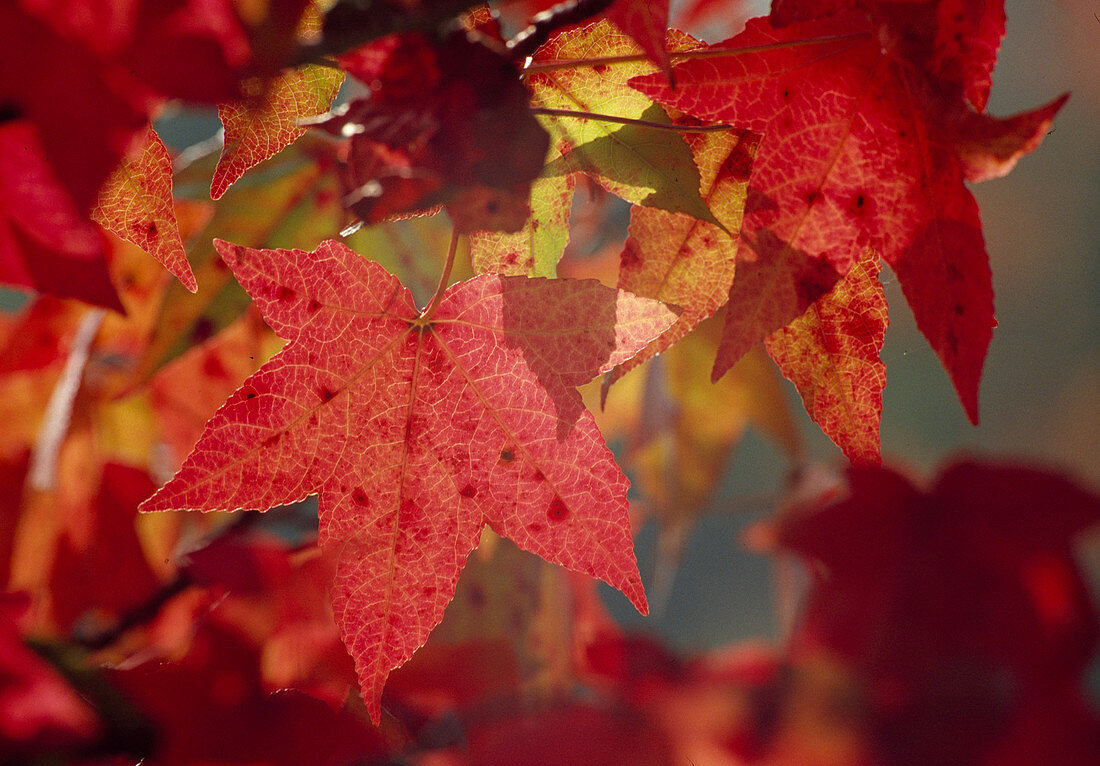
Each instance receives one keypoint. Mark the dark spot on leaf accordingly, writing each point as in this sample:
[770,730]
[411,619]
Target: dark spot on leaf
[811,197]
[468,491]
[960,309]
[151,229]
[539,475]
[534,528]
[428,591]
[285,293]
[951,340]
[557,510]
[273,438]
[859,201]
[314,305]
[249,393]
[599,68]
[325,393]
[631,255]
[816,280]
[786,93]
[360,497]
[507,455]
[738,165]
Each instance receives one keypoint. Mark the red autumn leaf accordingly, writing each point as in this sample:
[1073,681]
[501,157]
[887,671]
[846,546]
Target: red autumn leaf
[962,608]
[46,244]
[831,354]
[880,162]
[278,596]
[964,37]
[55,84]
[84,580]
[136,204]
[103,67]
[258,128]
[416,433]
[39,712]
[211,708]
[446,123]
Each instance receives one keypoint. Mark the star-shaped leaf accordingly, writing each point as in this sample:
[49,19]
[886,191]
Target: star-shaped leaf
[869,134]
[416,432]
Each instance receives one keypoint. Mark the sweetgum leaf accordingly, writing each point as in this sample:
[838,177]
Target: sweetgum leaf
[258,128]
[416,434]
[290,200]
[136,204]
[447,122]
[640,164]
[867,143]
[831,353]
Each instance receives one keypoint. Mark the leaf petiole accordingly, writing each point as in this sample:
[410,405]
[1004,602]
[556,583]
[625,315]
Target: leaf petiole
[427,313]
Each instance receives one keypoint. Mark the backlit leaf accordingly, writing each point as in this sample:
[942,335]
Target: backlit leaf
[682,260]
[136,204]
[417,433]
[259,127]
[862,148]
[643,165]
[831,353]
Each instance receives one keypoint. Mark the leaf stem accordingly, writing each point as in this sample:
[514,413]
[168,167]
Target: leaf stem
[427,313]
[630,121]
[551,65]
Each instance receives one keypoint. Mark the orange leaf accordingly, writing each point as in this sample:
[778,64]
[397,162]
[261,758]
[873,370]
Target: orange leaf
[831,353]
[136,204]
[259,127]
[683,260]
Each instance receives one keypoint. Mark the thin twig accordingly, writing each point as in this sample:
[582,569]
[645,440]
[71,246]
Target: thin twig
[630,121]
[550,65]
